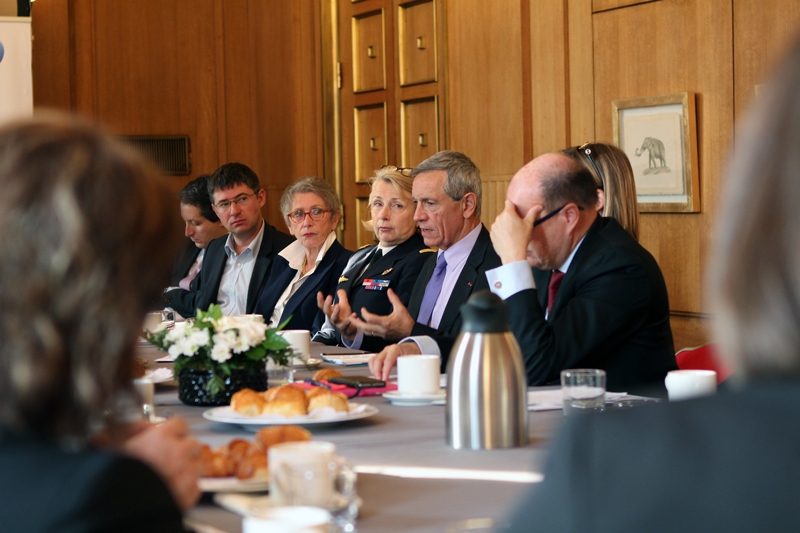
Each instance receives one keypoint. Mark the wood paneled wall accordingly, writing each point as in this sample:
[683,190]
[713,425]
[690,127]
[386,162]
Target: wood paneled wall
[241,78]
[529,77]
[524,77]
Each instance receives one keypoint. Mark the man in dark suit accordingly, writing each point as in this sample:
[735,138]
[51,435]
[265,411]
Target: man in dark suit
[595,297]
[202,226]
[236,267]
[447,190]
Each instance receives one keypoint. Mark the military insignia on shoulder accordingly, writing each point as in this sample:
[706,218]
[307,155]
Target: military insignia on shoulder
[386,271]
[342,279]
[365,246]
[428,250]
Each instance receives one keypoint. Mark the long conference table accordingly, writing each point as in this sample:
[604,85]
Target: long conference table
[408,477]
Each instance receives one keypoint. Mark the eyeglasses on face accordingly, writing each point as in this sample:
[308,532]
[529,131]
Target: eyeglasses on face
[405,171]
[551,214]
[587,151]
[225,205]
[316,213]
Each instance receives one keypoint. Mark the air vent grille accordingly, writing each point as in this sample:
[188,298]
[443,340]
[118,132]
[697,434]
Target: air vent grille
[169,152]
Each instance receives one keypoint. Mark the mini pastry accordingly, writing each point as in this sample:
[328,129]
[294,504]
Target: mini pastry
[321,397]
[325,374]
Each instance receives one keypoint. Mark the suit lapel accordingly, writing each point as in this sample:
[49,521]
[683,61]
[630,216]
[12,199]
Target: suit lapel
[465,283]
[310,286]
[418,293]
[260,268]
[214,262]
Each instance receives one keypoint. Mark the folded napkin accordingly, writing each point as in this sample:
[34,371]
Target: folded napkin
[552,399]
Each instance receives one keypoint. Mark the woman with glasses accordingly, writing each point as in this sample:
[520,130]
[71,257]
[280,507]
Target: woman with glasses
[309,265]
[394,263]
[616,188]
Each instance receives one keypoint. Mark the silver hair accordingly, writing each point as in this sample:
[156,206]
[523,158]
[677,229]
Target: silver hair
[310,184]
[463,175]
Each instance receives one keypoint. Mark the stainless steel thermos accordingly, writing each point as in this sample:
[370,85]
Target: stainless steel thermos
[486,383]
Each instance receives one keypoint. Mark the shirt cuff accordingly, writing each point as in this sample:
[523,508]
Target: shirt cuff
[356,344]
[509,279]
[425,344]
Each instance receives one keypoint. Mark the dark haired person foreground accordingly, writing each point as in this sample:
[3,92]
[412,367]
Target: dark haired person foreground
[236,267]
[73,294]
[201,226]
[595,297]
[727,462]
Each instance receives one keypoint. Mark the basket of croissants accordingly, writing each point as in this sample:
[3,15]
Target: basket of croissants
[248,460]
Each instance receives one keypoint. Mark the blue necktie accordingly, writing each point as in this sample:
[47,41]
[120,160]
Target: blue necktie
[432,291]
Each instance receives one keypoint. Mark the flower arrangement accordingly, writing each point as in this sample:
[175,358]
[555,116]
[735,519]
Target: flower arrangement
[221,344]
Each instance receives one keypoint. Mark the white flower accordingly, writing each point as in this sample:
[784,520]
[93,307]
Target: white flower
[177,332]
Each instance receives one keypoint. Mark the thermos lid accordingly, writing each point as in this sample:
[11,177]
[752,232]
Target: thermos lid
[484,312]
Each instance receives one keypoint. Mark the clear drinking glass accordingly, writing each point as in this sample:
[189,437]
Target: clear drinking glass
[584,390]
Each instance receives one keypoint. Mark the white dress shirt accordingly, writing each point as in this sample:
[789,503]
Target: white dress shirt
[235,282]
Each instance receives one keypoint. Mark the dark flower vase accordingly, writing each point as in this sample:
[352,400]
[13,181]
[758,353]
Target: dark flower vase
[192,385]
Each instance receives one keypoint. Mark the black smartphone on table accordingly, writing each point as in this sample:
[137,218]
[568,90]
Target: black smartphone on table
[358,382]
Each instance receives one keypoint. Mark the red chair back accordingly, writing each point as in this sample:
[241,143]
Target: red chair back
[705,357]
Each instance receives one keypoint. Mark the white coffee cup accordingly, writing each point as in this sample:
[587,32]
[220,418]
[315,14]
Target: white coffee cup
[418,375]
[685,384]
[300,341]
[152,321]
[288,520]
[299,473]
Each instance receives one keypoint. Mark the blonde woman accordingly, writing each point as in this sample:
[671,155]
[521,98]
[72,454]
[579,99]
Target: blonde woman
[616,187]
[368,276]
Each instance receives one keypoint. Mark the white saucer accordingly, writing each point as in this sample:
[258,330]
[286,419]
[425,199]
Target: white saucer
[407,400]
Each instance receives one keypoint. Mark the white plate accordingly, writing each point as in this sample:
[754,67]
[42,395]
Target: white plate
[231,484]
[226,415]
[311,364]
[160,375]
[418,399]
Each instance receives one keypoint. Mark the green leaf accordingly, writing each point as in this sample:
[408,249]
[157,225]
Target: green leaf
[257,353]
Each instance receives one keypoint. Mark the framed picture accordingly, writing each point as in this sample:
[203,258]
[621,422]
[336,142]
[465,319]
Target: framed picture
[659,136]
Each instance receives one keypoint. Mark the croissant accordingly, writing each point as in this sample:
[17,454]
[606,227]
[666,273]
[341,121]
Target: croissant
[277,434]
[321,397]
[325,374]
[254,466]
[248,402]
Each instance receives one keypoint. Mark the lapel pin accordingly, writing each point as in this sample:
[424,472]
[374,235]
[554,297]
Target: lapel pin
[342,279]
[469,283]
[387,271]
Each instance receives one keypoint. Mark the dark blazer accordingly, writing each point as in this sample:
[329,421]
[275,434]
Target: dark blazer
[723,463]
[472,278]
[400,267]
[204,292]
[611,312]
[302,305]
[184,261]
[45,489]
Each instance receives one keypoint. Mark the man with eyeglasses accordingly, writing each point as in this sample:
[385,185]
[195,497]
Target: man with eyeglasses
[594,298]
[237,266]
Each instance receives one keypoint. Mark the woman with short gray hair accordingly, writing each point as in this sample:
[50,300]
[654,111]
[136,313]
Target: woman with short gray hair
[309,265]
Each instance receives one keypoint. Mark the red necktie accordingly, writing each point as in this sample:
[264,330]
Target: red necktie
[552,289]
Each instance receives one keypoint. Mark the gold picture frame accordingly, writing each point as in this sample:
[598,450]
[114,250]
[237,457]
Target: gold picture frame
[664,129]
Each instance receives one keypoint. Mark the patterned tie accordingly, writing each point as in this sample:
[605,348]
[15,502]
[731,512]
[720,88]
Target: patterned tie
[552,289]
[432,291]
[186,282]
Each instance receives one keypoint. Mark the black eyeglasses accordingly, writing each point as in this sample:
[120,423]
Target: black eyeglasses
[316,213]
[225,205]
[551,214]
[405,171]
[587,151]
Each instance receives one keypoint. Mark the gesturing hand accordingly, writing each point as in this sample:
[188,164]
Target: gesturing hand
[511,234]
[392,327]
[340,314]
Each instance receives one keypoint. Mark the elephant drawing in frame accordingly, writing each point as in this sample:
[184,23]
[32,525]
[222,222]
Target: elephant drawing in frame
[656,149]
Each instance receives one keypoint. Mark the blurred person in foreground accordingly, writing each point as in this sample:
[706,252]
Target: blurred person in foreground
[80,215]
[310,264]
[394,263]
[727,462]
[616,187]
[201,226]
